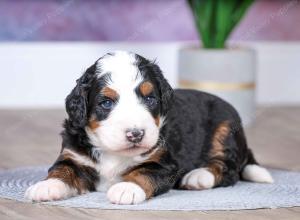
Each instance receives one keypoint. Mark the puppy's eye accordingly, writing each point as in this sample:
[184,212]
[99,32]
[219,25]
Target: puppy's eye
[107,104]
[150,101]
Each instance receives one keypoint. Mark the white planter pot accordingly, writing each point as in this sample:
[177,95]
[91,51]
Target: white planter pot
[227,73]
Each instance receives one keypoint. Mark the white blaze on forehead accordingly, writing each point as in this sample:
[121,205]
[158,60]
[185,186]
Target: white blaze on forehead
[121,66]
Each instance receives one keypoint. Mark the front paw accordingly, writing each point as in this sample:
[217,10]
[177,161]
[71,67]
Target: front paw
[49,190]
[126,193]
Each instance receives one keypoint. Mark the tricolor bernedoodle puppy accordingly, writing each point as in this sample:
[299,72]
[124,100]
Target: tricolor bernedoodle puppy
[128,133]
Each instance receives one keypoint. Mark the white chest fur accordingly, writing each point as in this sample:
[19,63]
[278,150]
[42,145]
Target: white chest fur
[110,168]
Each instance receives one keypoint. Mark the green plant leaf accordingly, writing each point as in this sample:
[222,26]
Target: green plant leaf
[203,14]
[223,21]
[240,11]
[216,19]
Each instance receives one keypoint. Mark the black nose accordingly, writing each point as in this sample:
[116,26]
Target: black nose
[135,135]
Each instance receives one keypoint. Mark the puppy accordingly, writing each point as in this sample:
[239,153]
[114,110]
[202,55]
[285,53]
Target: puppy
[128,133]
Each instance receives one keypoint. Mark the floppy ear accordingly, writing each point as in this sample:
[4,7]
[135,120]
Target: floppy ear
[166,91]
[77,100]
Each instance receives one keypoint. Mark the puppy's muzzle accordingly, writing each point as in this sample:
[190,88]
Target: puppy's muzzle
[135,135]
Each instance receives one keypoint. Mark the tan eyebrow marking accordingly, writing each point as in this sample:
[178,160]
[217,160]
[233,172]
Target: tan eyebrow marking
[109,92]
[146,88]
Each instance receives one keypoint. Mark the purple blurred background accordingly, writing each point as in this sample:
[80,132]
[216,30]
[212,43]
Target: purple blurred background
[135,20]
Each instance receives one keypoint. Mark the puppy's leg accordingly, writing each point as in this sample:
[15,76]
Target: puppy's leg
[228,159]
[223,162]
[66,178]
[149,179]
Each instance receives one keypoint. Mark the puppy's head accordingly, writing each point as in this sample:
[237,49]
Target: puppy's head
[121,102]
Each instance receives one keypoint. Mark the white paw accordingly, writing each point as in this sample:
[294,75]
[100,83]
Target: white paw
[126,193]
[256,173]
[48,190]
[198,179]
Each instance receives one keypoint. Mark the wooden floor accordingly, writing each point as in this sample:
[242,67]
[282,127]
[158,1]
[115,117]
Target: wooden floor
[31,137]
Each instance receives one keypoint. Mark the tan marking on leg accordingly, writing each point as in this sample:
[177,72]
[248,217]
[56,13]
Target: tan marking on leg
[216,154]
[67,175]
[146,88]
[142,180]
[139,176]
[216,168]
